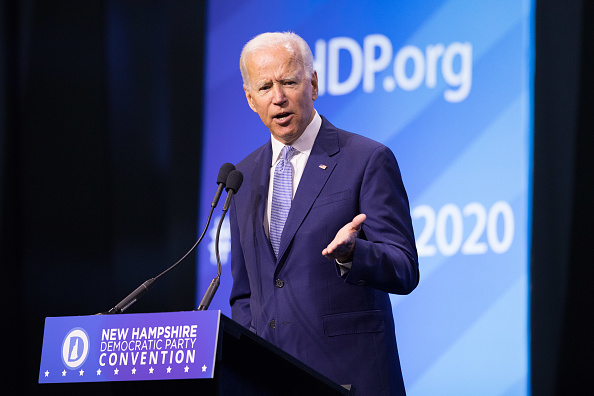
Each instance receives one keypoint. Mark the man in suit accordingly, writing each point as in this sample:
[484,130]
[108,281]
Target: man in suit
[321,230]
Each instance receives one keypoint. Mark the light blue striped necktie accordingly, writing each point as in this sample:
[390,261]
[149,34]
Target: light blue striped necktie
[282,191]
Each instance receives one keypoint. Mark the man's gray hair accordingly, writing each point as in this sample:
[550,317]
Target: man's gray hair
[289,40]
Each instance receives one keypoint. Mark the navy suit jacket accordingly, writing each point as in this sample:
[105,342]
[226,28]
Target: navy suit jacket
[341,326]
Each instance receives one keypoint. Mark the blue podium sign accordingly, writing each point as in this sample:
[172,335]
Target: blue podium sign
[133,347]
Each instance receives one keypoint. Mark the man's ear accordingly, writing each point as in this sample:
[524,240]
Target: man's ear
[314,85]
[249,98]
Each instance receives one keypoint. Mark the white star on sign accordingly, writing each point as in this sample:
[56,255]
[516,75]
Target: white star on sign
[46,373]
[81,372]
[64,373]
[151,370]
[204,368]
[116,371]
[168,369]
[134,370]
[99,372]
[185,369]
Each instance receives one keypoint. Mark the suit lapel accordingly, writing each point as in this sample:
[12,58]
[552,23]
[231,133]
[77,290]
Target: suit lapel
[259,184]
[318,169]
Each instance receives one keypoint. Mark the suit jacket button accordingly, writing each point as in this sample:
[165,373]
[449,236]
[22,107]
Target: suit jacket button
[361,282]
[279,283]
[272,324]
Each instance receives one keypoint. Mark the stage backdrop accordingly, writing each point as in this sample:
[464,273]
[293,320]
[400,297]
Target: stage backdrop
[447,85]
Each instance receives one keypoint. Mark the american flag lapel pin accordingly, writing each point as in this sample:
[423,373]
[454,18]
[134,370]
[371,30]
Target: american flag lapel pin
[322,166]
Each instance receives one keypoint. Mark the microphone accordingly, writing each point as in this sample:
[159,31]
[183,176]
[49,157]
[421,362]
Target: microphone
[226,168]
[224,172]
[234,181]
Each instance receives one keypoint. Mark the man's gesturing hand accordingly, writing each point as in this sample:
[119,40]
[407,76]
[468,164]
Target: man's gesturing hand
[343,245]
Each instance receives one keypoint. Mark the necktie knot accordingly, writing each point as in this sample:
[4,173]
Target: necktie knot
[284,162]
[287,152]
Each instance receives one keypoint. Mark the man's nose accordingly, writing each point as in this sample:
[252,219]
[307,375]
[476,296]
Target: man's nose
[279,94]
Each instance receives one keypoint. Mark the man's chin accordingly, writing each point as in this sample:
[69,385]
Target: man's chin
[286,135]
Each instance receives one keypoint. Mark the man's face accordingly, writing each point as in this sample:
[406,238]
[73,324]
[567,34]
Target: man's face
[280,92]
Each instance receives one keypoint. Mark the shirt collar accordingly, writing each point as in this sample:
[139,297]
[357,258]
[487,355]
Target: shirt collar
[304,143]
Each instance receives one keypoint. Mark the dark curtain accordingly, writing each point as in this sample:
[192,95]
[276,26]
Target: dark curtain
[100,117]
[561,264]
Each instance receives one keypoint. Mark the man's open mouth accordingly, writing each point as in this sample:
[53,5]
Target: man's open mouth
[281,116]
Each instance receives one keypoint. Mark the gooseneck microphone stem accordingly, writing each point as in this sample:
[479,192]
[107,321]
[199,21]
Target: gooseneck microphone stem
[233,183]
[214,284]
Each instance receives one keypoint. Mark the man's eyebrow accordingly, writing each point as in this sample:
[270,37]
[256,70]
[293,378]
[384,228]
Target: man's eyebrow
[290,78]
[260,84]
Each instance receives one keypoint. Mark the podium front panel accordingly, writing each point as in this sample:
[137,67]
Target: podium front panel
[129,347]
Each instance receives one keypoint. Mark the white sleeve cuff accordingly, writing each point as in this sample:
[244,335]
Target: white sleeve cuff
[344,267]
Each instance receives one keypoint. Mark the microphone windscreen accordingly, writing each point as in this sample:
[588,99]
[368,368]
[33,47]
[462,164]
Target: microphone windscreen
[226,168]
[234,181]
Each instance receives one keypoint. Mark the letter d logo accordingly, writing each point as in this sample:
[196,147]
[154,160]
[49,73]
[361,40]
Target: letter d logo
[75,348]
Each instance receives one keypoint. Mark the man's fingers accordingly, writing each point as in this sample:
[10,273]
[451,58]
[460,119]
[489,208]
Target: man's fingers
[345,236]
[358,220]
